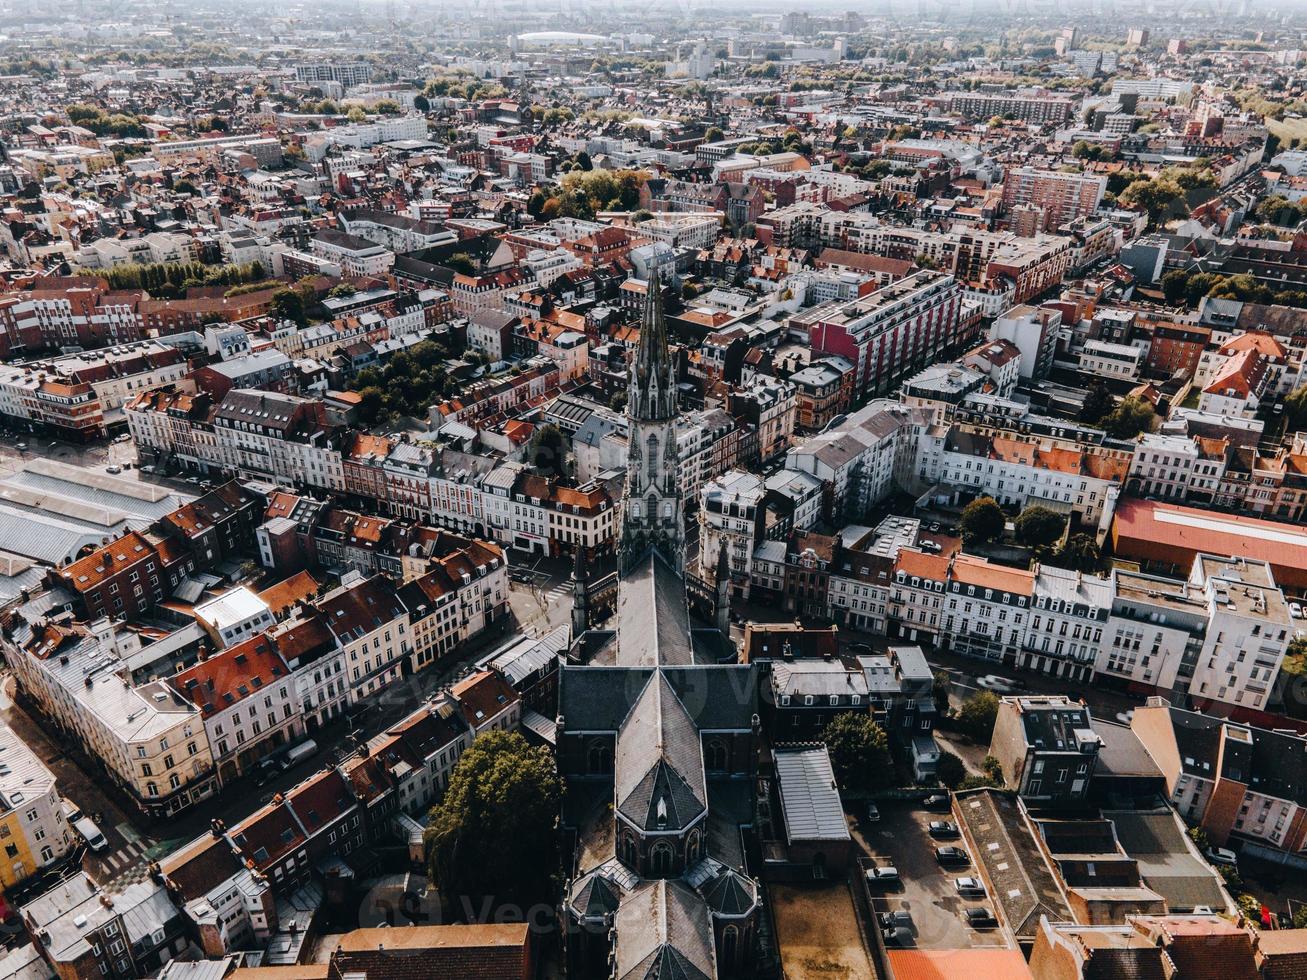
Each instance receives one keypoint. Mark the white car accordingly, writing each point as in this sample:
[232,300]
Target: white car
[1222,855]
[969,886]
[999,685]
[877,875]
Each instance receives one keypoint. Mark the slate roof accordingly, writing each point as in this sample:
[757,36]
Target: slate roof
[659,778]
[663,933]
[653,620]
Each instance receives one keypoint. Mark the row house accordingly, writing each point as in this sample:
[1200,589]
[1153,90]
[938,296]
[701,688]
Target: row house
[462,593]
[537,514]
[370,627]
[1235,781]
[227,881]
[1017,470]
[127,577]
[861,461]
[150,741]
[960,603]
[247,703]
[771,408]
[266,435]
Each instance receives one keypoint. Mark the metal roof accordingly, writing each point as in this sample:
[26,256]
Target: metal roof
[810,799]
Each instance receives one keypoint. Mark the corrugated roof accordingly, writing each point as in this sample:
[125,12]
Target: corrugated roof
[810,799]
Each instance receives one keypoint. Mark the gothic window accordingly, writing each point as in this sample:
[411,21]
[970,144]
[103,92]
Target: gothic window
[730,943]
[629,854]
[600,757]
[651,459]
[693,847]
[717,755]
[635,508]
[660,859]
[667,510]
[652,504]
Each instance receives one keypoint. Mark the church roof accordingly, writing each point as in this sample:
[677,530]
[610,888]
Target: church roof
[658,770]
[597,699]
[653,618]
[729,893]
[596,895]
[663,933]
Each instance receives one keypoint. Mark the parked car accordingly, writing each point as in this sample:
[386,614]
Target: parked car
[897,936]
[943,828]
[902,919]
[148,469]
[71,810]
[114,469]
[952,855]
[299,753]
[999,685]
[266,770]
[883,874]
[1222,855]
[979,917]
[90,833]
[21,447]
[936,801]
[969,886]
[871,813]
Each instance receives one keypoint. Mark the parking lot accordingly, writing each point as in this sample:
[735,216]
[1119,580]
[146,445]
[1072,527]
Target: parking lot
[925,889]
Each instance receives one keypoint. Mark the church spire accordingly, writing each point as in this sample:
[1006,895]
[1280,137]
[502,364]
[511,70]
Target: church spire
[653,378]
[653,512]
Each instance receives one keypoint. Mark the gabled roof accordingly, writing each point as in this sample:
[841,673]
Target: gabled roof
[664,934]
[659,781]
[652,616]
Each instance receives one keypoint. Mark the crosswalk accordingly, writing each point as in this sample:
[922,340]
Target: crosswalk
[560,591]
[126,866]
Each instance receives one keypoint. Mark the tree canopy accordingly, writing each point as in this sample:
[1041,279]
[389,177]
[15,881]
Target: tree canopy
[1038,527]
[548,453]
[859,751]
[1079,553]
[1098,402]
[982,521]
[1128,419]
[977,715]
[492,835]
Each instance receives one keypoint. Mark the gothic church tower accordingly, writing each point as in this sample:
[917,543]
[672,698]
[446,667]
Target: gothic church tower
[653,513]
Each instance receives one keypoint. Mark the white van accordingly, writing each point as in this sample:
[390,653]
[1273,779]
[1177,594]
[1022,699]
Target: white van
[299,753]
[90,833]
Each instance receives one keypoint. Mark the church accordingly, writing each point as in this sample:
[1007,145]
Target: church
[657,737]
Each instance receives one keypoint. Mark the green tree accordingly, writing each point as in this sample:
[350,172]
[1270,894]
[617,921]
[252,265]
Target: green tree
[342,290]
[859,750]
[356,114]
[1079,553]
[1038,527]
[950,770]
[992,768]
[288,304]
[493,834]
[940,689]
[977,715]
[713,134]
[1295,408]
[982,521]
[548,452]
[1127,420]
[1098,402]
[462,262]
